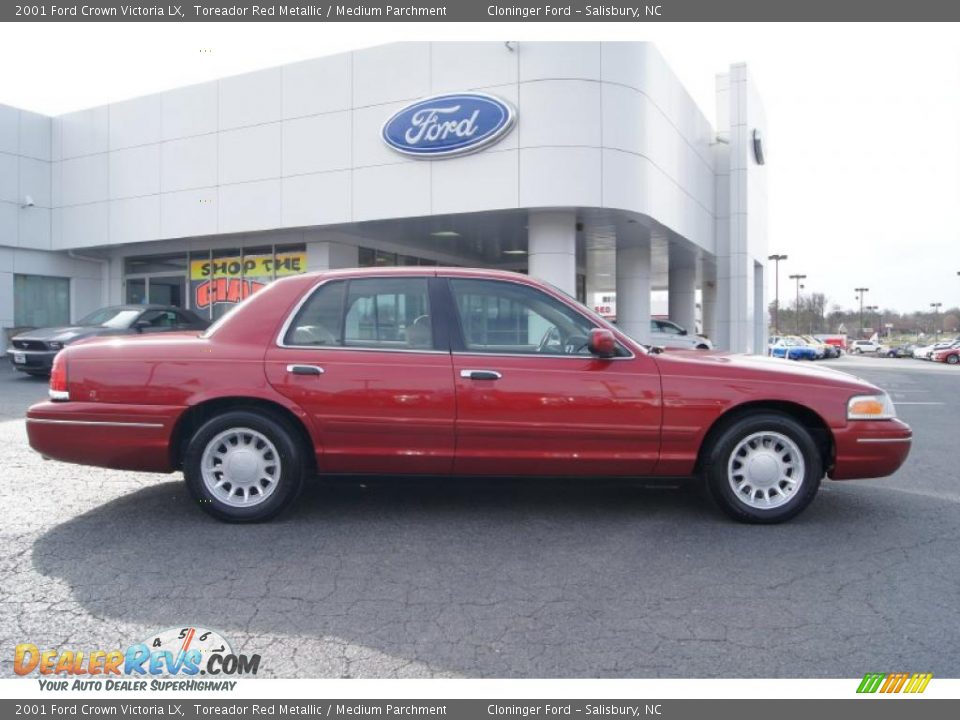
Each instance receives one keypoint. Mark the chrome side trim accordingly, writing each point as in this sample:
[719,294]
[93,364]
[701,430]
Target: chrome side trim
[97,423]
[543,356]
[885,440]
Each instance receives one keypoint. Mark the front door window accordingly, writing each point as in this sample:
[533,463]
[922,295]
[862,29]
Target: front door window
[503,317]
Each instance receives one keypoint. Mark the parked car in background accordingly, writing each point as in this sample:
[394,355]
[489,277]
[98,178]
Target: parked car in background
[792,348]
[455,373]
[949,355]
[670,335]
[859,347]
[837,341]
[819,347]
[33,351]
[926,352]
[901,351]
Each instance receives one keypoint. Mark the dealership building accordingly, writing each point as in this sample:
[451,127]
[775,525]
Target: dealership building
[585,164]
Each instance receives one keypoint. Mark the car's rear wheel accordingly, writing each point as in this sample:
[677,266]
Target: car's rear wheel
[953,359]
[244,466]
[763,468]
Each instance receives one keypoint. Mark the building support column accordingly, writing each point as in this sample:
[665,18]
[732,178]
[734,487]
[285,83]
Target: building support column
[552,248]
[331,255]
[708,304]
[633,289]
[682,288]
[759,310]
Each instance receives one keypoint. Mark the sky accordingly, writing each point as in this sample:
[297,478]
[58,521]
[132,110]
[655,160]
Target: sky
[863,138]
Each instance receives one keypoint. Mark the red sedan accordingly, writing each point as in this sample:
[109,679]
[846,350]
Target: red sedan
[950,355]
[453,372]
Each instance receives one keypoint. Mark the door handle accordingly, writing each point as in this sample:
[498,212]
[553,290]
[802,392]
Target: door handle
[304,369]
[480,374]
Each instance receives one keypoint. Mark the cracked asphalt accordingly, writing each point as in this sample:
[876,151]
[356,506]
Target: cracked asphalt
[401,578]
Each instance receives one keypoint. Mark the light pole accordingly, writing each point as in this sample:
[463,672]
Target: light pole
[776,291]
[936,323]
[798,278]
[860,292]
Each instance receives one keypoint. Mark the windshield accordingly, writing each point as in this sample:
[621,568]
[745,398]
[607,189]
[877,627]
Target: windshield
[111,317]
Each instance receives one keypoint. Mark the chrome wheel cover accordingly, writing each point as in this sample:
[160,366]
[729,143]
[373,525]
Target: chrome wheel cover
[765,470]
[240,467]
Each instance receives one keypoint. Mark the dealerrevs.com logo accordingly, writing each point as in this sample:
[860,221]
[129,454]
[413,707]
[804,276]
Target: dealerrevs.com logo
[894,683]
[154,664]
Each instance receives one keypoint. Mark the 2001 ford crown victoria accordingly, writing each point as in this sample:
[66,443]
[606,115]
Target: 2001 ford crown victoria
[453,372]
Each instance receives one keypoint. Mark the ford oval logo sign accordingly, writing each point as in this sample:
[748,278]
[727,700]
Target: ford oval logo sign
[448,125]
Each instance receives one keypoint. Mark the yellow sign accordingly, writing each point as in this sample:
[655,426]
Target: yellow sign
[252,266]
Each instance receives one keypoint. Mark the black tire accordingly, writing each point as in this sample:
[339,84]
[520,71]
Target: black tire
[858,351]
[717,458]
[953,359]
[290,454]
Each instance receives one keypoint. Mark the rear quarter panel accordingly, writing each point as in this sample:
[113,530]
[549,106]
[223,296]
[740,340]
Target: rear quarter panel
[170,373]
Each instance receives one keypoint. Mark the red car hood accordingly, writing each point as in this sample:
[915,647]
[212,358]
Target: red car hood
[759,367]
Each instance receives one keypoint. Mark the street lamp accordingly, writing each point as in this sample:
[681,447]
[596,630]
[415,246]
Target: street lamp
[936,323]
[776,291]
[860,291]
[798,278]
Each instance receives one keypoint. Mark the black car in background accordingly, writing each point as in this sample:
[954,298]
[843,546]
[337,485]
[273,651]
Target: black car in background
[33,351]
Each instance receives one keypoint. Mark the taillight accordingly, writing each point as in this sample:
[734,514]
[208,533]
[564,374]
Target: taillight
[58,379]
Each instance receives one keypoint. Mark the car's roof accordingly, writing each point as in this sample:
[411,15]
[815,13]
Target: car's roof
[427,270]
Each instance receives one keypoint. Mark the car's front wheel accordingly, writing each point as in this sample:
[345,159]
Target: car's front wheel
[244,466]
[763,468]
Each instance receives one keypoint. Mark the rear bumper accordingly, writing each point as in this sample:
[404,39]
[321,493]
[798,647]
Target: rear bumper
[122,437]
[33,360]
[870,449]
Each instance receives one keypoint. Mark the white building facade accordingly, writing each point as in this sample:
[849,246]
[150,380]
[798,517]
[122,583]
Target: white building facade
[609,182]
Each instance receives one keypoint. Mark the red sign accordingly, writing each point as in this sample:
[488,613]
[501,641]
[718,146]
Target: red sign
[223,290]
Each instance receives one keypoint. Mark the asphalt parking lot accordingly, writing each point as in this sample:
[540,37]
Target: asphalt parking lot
[501,579]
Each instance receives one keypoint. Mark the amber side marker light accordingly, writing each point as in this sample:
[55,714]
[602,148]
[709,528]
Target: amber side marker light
[871,407]
[58,379]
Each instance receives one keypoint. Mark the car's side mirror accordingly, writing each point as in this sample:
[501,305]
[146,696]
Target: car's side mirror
[683,332]
[141,325]
[602,343]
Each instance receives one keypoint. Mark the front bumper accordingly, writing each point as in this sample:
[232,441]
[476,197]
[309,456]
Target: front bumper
[121,437]
[33,360]
[870,448]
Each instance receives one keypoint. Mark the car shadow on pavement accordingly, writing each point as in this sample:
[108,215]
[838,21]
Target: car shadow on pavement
[542,578]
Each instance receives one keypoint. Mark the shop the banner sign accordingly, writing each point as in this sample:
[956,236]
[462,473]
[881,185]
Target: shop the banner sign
[232,279]
[448,125]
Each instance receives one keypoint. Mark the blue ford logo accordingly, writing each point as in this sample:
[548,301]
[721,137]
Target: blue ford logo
[448,125]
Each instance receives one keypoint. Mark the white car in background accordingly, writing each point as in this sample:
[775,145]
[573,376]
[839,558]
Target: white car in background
[859,347]
[670,335]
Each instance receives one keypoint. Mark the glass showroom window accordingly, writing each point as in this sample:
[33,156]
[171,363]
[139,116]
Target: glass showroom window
[40,301]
